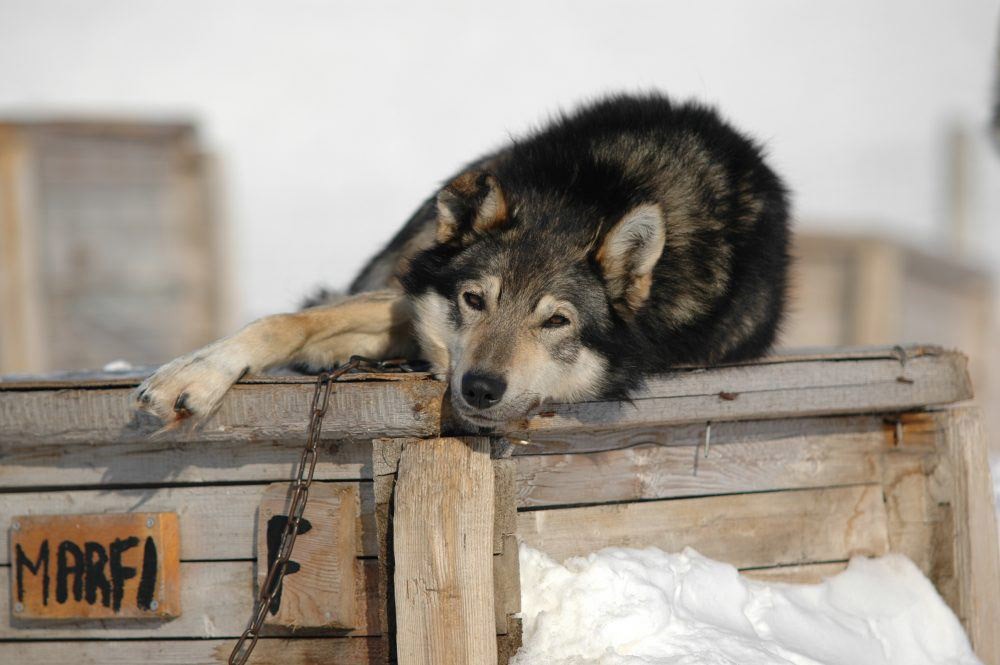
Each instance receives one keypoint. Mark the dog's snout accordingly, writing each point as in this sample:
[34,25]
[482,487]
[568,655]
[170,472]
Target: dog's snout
[482,390]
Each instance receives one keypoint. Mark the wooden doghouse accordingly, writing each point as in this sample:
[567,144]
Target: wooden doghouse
[785,467]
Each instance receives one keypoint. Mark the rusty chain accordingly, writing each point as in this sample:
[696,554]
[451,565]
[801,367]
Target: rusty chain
[300,494]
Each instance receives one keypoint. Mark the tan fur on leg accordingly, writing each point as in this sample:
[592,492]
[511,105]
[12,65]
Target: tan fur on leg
[375,324]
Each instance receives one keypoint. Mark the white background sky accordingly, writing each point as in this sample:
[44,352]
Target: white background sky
[333,120]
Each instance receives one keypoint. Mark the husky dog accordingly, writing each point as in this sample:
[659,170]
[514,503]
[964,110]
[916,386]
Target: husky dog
[630,236]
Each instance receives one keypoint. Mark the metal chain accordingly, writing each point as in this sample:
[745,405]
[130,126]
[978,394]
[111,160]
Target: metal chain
[300,494]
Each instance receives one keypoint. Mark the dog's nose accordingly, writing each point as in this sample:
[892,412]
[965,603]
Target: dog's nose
[482,390]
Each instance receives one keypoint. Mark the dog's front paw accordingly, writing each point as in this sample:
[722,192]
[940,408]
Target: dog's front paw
[192,386]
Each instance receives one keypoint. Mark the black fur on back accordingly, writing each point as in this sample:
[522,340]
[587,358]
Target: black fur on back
[719,288]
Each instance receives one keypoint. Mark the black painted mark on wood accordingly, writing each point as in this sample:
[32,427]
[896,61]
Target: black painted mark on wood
[41,564]
[120,573]
[275,529]
[64,570]
[96,558]
[147,583]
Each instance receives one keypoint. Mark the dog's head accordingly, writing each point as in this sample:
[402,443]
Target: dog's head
[516,300]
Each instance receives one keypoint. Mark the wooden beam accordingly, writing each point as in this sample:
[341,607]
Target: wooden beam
[791,460]
[217,599]
[792,389]
[155,462]
[443,546]
[963,481]
[217,522]
[269,651]
[745,530]
[249,412]
[848,381]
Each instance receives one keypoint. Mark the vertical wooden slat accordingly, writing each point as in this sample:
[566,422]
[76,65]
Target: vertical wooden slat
[964,482]
[442,530]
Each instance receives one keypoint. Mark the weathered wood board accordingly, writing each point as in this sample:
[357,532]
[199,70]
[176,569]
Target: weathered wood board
[443,552]
[320,583]
[113,566]
[273,651]
[746,530]
[217,598]
[216,521]
[879,380]
[357,410]
[787,389]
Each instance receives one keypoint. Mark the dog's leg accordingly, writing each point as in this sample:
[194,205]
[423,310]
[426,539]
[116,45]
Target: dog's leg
[375,324]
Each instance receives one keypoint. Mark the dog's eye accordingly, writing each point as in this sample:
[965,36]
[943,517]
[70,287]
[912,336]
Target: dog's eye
[473,300]
[556,321]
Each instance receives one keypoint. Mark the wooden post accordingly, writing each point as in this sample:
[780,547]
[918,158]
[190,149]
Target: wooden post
[443,550]
[977,563]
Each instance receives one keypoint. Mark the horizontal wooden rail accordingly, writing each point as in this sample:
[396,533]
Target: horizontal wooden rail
[96,410]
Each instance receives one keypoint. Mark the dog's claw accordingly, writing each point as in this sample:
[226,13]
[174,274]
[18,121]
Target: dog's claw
[181,407]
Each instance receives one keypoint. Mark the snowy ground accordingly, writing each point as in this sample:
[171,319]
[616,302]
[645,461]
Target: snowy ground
[646,607]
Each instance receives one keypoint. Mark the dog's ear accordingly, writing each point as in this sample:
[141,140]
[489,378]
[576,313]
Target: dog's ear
[472,203]
[628,254]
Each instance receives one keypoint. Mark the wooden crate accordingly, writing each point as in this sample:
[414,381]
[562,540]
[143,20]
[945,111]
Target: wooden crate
[107,244]
[785,467]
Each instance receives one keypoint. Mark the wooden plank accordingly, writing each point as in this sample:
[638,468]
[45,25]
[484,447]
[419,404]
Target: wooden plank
[442,540]
[121,566]
[132,377]
[320,582]
[153,461]
[217,598]
[362,410]
[809,573]
[921,429]
[746,530]
[506,584]
[782,390]
[914,517]
[775,387]
[217,522]
[273,651]
[651,471]
[964,482]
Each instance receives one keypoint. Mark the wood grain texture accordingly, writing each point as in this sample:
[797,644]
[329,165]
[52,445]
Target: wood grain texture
[784,386]
[650,471]
[964,482]
[248,412]
[778,390]
[217,598]
[321,591]
[269,651]
[162,462]
[216,522]
[443,549]
[745,530]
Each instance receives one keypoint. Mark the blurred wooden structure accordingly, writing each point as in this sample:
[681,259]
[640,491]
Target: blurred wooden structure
[107,244]
[869,290]
[785,467]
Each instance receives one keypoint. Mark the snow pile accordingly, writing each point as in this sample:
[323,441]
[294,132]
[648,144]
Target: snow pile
[646,607]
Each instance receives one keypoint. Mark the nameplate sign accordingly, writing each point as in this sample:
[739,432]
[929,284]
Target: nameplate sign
[117,566]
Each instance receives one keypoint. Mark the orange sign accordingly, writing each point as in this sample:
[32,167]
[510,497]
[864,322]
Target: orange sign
[117,566]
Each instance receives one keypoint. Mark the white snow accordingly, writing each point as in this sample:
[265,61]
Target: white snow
[646,607]
[118,366]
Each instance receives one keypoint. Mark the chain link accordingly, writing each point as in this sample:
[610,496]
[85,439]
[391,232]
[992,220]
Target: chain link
[300,495]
